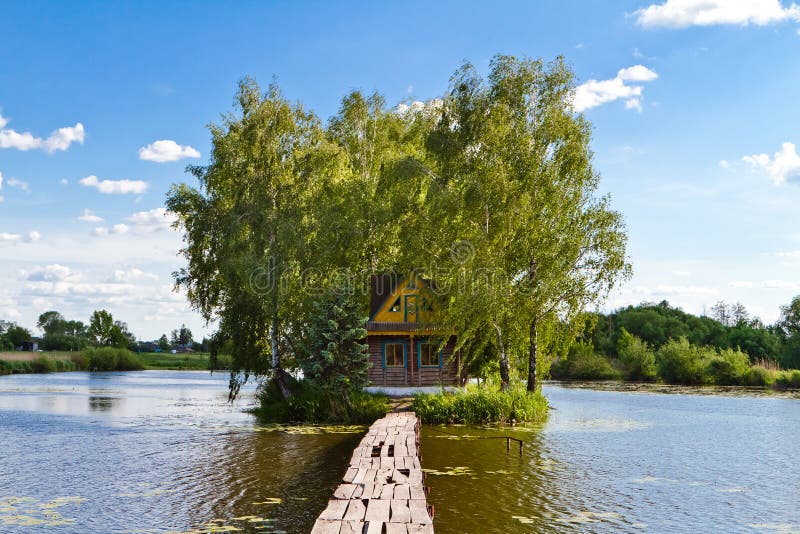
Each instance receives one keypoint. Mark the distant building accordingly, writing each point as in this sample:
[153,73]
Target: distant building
[403,344]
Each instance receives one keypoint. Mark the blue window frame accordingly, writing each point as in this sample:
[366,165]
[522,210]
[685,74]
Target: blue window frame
[395,353]
[428,355]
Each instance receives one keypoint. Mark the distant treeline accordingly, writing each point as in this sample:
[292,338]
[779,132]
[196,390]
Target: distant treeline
[102,330]
[657,342]
[727,327]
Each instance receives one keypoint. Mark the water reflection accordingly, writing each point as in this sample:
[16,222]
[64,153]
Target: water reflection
[103,404]
[611,461]
[156,451]
[164,451]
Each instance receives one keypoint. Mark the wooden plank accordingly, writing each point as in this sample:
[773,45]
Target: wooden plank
[344,491]
[387,491]
[349,475]
[374,527]
[419,512]
[355,510]
[352,527]
[395,528]
[416,491]
[400,512]
[335,509]
[359,478]
[420,529]
[378,510]
[326,526]
[402,491]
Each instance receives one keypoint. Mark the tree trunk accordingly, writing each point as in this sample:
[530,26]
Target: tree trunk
[280,376]
[505,379]
[532,357]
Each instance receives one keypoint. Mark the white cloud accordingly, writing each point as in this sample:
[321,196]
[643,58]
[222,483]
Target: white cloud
[115,187]
[19,184]
[594,93]
[146,222]
[1,178]
[681,273]
[60,139]
[685,13]
[32,237]
[780,284]
[5,237]
[637,73]
[64,181]
[789,254]
[167,150]
[725,164]
[741,283]
[51,273]
[89,216]
[117,229]
[132,275]
[685,290]
[784,166]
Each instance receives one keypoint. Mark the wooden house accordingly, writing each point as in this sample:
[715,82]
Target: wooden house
[405,348]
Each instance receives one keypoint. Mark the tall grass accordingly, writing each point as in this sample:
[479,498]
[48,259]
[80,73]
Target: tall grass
[42,364]
[111,359]
[479,405]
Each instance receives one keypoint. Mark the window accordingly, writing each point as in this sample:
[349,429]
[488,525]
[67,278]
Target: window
[396,306]
[393,355]
[428,355]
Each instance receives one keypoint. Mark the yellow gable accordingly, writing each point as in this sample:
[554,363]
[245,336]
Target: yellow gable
[406,304]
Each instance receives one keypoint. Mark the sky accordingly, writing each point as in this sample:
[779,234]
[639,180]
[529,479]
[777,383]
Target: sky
[104,104]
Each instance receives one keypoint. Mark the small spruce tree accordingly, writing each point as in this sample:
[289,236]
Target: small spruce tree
[332,355]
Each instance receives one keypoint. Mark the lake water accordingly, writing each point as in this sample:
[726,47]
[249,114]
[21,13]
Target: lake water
[161,451]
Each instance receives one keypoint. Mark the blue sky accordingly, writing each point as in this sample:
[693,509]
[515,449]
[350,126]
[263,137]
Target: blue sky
[693,104]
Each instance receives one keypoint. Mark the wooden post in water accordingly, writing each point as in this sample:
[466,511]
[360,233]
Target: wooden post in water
[382,490]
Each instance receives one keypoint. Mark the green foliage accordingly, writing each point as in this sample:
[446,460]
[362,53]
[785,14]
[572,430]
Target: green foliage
[104,331]
[479,405]
[502,164]
[636,357]
[789,379]
[760,376]
[17,335]
[310,404]
[180,361]
[42,364]
[583,363]
[728,368]
[332,356]
[680,362]
[111,359]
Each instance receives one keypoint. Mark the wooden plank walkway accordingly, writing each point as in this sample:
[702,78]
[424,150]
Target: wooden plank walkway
[382,491]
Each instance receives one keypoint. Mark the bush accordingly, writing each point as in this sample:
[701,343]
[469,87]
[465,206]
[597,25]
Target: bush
[728,368]
[584,364]
[476,405]
[310,404]
[42,364]
[636,356]
[760,376]
[111,359]
[682,363]
[789,379]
